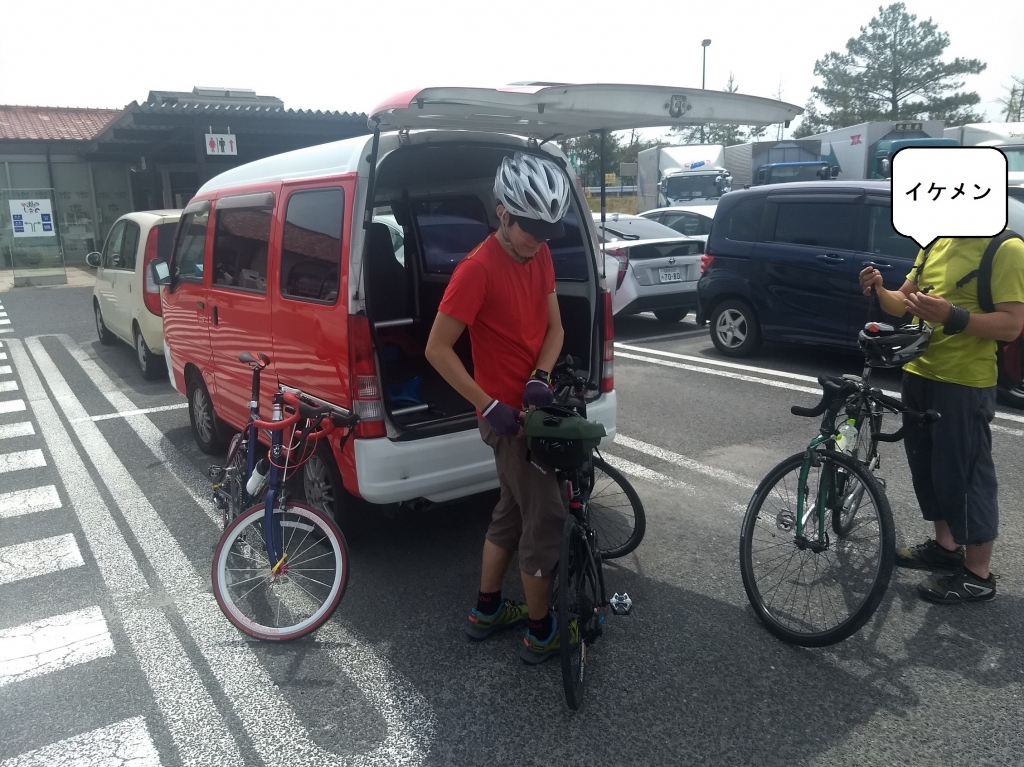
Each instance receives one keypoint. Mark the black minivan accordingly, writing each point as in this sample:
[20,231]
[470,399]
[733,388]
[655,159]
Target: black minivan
[782,261]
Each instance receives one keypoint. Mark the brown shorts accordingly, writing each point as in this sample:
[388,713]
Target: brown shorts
[531,511]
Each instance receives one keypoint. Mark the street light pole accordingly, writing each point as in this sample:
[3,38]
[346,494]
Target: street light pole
[703,71]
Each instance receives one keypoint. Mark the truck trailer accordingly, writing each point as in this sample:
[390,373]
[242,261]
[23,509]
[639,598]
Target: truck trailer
[865,151]
[1007,138]
[774,162]
[670,175]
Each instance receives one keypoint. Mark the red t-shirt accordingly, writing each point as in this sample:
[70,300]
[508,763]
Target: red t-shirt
[505,305]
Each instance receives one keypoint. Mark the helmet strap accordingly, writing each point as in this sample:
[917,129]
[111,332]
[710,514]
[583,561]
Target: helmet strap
[508,244]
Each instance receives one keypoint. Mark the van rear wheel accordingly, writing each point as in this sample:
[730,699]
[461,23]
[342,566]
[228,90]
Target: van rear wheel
[207,428]
[734,329]
[324,490]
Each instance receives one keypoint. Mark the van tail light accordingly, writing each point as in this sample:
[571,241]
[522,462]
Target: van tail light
[622,257]
[608,345]
[705,263]
[366,399]
[151,293]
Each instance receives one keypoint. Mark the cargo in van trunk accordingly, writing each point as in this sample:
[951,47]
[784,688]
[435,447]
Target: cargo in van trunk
[433,204]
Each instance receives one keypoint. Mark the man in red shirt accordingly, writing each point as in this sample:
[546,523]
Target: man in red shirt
[504,292]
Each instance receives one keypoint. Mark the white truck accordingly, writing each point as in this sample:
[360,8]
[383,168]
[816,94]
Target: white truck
[1008,138]
[865,151]
[775,162]
[670,175]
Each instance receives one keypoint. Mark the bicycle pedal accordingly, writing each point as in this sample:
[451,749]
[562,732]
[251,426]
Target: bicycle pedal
[215,472]
[621,604]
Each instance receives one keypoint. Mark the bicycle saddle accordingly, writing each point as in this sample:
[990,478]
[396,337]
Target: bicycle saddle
[256,360]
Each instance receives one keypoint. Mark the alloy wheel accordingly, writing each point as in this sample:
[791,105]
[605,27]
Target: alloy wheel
[203,413]
[731,328]
[316,481]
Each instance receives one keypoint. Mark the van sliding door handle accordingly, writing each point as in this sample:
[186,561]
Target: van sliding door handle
[215,318]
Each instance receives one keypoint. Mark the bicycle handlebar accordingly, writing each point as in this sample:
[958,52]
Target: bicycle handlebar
[911,419]
[831,387]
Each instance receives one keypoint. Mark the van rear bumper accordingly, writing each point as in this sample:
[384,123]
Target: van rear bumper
[442,468]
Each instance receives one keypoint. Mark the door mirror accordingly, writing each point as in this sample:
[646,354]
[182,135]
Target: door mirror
[160,272]
[885,166]
[834,171]
[93,259]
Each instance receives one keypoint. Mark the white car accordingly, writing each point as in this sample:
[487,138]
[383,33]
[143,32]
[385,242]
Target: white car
[693,220]
[125,299]
[655,268]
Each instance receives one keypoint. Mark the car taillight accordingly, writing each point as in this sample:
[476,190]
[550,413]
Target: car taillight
[151,294]
[705,263]
[608,345]
[366,399]
[622,257]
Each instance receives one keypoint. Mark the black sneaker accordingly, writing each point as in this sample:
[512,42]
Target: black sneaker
[929,555]
[962,586]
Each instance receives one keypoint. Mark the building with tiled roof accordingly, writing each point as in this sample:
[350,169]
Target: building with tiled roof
[20,123]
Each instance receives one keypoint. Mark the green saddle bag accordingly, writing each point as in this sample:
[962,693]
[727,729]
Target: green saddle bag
[560,438]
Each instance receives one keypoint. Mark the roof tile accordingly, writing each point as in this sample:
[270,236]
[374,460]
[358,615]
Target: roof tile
[53,123]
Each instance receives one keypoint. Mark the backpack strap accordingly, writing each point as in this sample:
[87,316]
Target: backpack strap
[984,270]
[919,268]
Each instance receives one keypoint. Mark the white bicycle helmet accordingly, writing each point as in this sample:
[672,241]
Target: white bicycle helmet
[535,191]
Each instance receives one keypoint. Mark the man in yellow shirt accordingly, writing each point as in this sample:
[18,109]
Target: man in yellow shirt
[951,460]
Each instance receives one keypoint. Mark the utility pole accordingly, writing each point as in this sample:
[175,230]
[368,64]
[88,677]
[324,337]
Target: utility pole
[703,71]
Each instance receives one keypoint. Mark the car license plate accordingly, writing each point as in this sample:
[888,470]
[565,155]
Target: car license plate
[673,274]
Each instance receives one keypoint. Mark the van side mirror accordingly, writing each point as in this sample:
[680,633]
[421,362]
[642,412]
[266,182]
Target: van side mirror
[834,171]
[160,272]
[885,165]
[93,260]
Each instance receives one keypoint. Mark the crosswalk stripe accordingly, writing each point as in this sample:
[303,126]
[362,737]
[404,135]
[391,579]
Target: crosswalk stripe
[5,322]
[117,745]
[22,502]
[5,370]
[6,330]
[12,406]
[3,355]
[22,561]
[3,314]
[20,429]
[23,459]
[51,644]
[6,386]
[642,472]
[684,462]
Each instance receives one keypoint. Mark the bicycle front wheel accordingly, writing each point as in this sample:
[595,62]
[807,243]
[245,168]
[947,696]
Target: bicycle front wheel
[616,512]
[816,591]
[578,607]
[305,590]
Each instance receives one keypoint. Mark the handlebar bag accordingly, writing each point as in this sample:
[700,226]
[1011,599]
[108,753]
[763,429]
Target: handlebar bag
[560,438]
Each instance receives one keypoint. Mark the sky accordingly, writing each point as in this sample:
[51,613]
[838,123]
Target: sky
[349,56]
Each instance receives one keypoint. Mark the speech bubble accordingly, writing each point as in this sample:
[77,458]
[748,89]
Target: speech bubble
[948,192]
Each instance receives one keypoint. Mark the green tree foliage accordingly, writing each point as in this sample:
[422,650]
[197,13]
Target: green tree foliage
[893,70]
[811,122]
[620,147]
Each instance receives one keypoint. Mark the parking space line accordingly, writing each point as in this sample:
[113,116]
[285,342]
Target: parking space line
[51,644]
[722,373]
[718,363]
[6,386]
[125,744]
[21,561]
[21,502]
[20,460]
[20,429]
[143,411]
[642,472]
[682,461]
[667,336]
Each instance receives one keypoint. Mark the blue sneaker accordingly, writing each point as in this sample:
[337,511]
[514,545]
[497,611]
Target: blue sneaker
[509,615]
[535,651]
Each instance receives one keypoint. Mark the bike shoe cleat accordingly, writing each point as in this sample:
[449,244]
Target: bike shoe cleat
[509,615]
[621,604]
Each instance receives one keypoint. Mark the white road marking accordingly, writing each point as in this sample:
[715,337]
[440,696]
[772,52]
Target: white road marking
[275,730]
[718,363]
[195,725]
[35,499]
[20,429]
[666,337]
[12,406]
[1007,430]
[6,330]
[125,744]
[686,463]
[6,386]
[3,355]
[143,411]
[5,322]
[52,644]
[21,561]
[642,472]
[722,373]
[23,459]
[3,314]
[5,370]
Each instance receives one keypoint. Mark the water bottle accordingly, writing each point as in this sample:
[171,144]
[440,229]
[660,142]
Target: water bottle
[846,439]
[258,478]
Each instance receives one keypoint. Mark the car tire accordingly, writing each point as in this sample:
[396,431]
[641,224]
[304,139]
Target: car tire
[150,365]
[106,337]
[1011,397]
[207,429]
[734,329]
[670,315]
[323,489]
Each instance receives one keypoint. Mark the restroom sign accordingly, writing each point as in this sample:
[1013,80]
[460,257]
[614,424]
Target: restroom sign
[221,143]
[31,218]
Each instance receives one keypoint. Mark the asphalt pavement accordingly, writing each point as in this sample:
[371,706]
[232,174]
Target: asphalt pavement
[111,644]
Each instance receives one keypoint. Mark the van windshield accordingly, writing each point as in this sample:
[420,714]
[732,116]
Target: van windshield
[686,187]
[1014,158]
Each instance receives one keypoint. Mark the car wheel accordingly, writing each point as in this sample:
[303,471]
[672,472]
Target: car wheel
[324,490]
[207,428]
[151,365]
[106,337]
[670,315]
[1011,397]
[734,329]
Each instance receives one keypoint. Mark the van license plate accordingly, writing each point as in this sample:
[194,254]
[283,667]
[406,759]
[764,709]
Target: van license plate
[671,275]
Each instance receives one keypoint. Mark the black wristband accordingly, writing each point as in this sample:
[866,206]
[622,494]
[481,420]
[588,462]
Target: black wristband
[957,322]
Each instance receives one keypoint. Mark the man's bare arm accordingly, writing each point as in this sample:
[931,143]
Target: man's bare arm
[553,339]
[441,354]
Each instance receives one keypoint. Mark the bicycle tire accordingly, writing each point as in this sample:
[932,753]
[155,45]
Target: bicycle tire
[617,515]
[235,467]
[577,604]
[242,542]
[868,425]
[861,601]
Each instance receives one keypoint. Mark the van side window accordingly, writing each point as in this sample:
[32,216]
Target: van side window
[822,224]
[311,245]
[240,249]
[130,246]
[112,247]
[883,239]
[743,222]
[188,258]
[449,229]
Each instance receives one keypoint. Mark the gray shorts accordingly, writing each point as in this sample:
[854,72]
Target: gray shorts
[531,511]
[951,460]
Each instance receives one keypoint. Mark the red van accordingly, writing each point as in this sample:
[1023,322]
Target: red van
[333,260]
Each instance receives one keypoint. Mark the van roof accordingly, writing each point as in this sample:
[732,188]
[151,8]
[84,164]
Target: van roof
[804,187]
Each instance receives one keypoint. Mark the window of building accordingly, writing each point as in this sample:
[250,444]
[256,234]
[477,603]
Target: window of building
[188,258]
[821,224]
[240,249]
[311,246]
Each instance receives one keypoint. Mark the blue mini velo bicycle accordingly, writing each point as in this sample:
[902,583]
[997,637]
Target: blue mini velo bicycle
[280,567]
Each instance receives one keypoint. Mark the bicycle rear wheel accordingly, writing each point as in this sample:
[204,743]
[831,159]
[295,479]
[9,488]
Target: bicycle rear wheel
[616,512]
[577,607]
[306,590]
[815,596]
[235,469]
